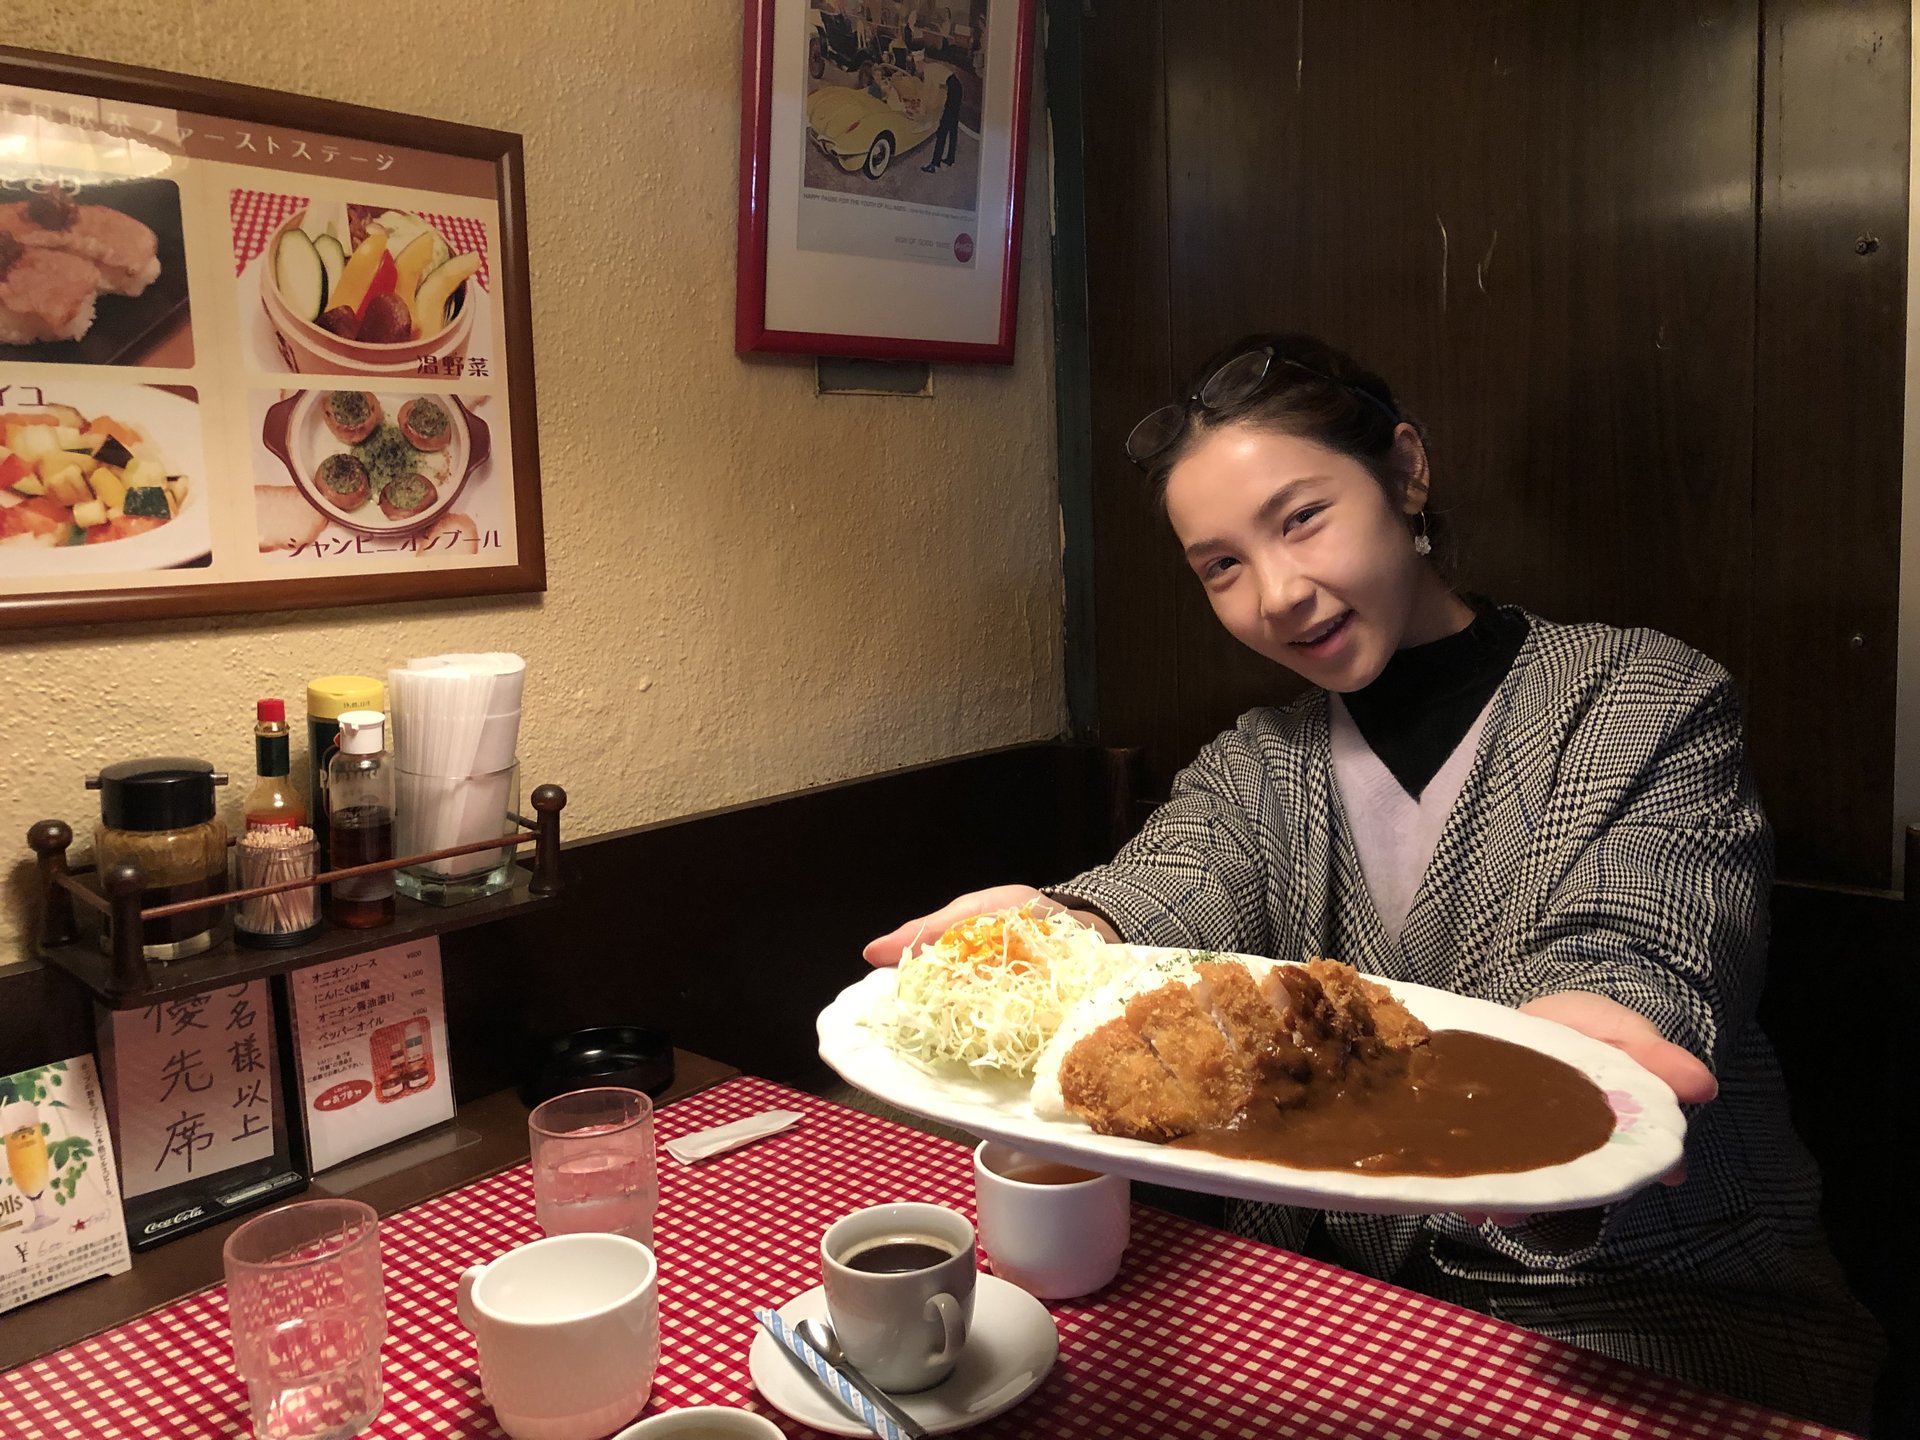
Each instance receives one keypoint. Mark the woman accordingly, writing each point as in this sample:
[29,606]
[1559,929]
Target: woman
[1553,817]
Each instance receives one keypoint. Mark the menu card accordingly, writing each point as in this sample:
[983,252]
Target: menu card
[370,1047]
[60,1219]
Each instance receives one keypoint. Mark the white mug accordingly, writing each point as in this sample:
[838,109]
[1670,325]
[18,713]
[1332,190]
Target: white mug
[568,1330]
[904,1330]
[703,1422]
[1052,1239]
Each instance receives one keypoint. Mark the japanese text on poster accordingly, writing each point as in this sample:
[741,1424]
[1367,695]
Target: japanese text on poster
[194,1085]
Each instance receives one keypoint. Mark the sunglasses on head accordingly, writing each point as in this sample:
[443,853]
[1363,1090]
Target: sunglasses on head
[1237,381]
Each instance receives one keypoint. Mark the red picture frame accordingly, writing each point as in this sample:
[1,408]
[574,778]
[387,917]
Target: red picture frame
[852,241]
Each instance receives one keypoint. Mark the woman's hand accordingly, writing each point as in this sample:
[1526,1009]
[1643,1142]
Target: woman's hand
[888,949]
[1628,1030]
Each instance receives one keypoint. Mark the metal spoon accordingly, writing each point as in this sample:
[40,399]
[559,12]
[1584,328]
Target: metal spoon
[819,1334]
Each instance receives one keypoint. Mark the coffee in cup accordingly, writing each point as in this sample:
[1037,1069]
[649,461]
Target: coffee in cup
[899,1282]
[898,1255]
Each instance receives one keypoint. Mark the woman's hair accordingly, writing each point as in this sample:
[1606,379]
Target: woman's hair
[1314,392]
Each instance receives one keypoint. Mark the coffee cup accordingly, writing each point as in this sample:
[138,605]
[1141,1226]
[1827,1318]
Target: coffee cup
[568,1331]
[1054,1230]
[899,1281]
[703,1422]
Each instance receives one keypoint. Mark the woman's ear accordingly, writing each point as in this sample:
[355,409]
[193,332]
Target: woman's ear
[1410,459]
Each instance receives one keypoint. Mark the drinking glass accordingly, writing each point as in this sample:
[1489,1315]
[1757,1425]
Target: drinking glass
[26,1156]
[439,811]
[593,1166]
[308,1310]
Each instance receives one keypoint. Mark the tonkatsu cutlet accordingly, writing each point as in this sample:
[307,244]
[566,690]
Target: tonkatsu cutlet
[1252,1026]
[1189,1057]
[1112,1079]
[1184,1038]
[1369,1007]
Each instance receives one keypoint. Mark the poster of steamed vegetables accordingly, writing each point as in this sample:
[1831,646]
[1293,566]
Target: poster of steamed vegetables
[60,1220]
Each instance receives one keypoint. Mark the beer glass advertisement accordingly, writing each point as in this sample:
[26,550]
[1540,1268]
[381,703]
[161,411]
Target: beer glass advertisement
[60,1219]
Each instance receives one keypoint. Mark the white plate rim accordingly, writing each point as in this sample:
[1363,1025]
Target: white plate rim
[188,536]
[765,1356]
[1647,1142]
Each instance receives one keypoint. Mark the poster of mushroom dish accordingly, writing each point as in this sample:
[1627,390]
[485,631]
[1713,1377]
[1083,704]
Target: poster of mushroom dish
[257,352]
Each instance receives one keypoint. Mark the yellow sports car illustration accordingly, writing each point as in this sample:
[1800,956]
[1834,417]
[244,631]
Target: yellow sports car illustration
[859,132]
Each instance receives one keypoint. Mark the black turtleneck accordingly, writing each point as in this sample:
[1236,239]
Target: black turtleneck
[1421,706]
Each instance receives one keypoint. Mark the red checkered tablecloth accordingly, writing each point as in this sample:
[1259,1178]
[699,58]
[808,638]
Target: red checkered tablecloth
[1203,1334]
[257,214]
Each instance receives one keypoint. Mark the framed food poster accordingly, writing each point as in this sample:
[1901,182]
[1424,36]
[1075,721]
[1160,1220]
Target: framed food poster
[882,148]
[257,352]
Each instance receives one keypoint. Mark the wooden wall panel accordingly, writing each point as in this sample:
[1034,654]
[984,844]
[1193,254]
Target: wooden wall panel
[1128,288]
[1829,430]
[1545,224]
[1487,204]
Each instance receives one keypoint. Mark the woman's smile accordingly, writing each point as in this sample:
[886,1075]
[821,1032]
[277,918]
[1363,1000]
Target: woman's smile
[1322,639]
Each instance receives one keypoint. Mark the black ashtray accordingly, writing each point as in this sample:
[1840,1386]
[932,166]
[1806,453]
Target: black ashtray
[624,1055]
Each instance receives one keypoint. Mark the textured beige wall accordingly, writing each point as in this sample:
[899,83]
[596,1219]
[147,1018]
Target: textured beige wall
[753,589]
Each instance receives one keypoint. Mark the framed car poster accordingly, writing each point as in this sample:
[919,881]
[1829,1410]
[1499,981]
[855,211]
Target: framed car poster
[882,149]
[258,352]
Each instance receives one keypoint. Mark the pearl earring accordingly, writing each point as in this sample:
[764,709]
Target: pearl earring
[1422,544]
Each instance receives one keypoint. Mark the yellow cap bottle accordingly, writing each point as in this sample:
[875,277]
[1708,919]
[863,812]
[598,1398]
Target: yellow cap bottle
[328,698]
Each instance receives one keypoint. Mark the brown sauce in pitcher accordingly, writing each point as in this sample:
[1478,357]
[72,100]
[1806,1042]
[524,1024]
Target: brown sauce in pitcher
[1462,1104]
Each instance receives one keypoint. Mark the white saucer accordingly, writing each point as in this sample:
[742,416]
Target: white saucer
[1010,1348]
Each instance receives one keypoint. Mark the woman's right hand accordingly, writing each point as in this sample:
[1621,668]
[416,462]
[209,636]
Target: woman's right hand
[888,949]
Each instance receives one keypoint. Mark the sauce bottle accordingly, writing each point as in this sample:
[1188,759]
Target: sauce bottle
[329,697]
[360,821]
[274,803]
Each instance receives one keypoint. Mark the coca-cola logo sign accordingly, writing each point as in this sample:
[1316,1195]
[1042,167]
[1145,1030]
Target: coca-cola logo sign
[963,247]
[346,1093]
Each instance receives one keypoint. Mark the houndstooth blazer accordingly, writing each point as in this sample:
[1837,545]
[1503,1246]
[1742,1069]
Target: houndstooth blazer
[1609,839]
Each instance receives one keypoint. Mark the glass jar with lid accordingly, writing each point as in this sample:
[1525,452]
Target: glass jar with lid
[158,814]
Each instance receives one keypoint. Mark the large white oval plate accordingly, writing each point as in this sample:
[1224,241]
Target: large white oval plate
[1648,1127]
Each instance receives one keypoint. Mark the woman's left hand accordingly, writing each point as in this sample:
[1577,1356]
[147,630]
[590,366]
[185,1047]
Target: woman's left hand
[1627,1030]
[1608,1020]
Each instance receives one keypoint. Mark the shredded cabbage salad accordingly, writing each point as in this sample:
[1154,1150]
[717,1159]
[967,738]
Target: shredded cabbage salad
[992,990]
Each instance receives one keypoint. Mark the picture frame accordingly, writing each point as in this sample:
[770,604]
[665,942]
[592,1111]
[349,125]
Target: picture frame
[852,240]
[286,343]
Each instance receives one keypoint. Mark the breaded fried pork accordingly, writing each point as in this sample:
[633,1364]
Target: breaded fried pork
[1369,1008]
[1185,1040]
[1116,1084]
[1249,1021]
[1193,1057]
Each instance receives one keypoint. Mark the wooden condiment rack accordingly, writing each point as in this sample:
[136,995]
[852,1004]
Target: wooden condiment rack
[116,969]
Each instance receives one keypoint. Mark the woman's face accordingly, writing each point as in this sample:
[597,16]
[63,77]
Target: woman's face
[1304,556]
